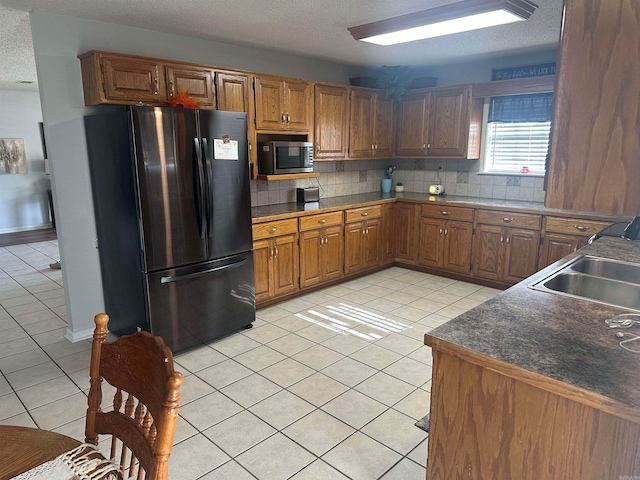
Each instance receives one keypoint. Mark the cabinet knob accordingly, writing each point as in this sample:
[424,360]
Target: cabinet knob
[282,118]
[446,232]
[440,231]
[288,118]
[444,213]
[501,238]
[424,146]
[581,228]
[508,240]
[322,221]
[276,251]
[273,230]
[507,219]
[364,214]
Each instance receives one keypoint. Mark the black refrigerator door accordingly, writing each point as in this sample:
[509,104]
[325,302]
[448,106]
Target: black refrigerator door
[170,184]
[227,176]
[192,305]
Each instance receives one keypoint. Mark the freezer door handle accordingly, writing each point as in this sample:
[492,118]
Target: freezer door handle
[199,188]
[209,184]
[189,276]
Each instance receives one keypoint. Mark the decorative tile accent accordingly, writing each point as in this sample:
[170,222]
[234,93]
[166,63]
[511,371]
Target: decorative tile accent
[513,181]
[340,166]
[419,164]
[262,185]
[363,176]
[462,177]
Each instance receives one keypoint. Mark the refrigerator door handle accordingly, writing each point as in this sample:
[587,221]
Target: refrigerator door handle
[209,182]
[198,179]
[188,276]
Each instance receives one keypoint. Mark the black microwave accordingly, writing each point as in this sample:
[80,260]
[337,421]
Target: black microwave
[285,157]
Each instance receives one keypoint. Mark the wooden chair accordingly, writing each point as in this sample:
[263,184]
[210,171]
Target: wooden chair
[145,404]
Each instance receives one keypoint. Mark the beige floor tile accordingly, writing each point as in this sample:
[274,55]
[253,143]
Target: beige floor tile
[20,300]
[296,305]
[354,408]
[427,305]
[416,405]
[7,323]
[399,344]
[10,406]
[318,357]
[443,296]
[287,372]
[74,429]
[199,358]
[282,409]
[45,326]
[270,314]
[373,458]
[337,291]
[76,362]
[376,357]
[224,373]
[265,333]
[35,317]
[183,430]
[194,457]
[357,298]
[23,360]
[17,346]
[292,323]
[234,344]
[239,433]
[259,358]
[51,337]
[385,305]
[348,371]
[229,471]
[250,390]
[345,344]
[318,389]
[318,432]
[47,391]
[5,388]
[410,371]
[316,333]
[207,411]
[60,412]
[64,348]
[385,388]
[451,311]
[22,420]
[394,283]
[11,335]
[193,388]
[422,355]
[405,469]
[34,375]
[262,463]
[26,309]
[419,454]
[400,296]
[395,430]
[290,344]
[375,290]
[319,470]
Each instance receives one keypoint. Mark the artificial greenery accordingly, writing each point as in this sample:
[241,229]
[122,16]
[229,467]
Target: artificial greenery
[395,81]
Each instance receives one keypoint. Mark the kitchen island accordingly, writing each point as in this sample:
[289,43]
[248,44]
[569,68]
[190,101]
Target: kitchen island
[534,385]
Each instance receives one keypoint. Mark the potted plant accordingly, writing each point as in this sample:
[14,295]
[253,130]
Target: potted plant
[399,187]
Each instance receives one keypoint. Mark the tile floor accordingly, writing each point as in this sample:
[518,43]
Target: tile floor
[325,386]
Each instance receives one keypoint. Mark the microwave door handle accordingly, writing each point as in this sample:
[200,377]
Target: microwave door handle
[209,183]
[198,187]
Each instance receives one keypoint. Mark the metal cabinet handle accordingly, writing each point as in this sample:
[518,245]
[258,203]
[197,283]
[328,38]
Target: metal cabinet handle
[326,240]
[444,213]
[581,228]
[322,221]
[372,147]
[501,238]
[446,232]
[424,146]
[171,88]
[270,252]
[507,219]
[273,230]
[367,230]
[428,146]
[364,214]
[288,118]
[155,83]
[508,240]
[321,240]
[440,231]
[276,249]
[375,146]
[282,117]
[317,148]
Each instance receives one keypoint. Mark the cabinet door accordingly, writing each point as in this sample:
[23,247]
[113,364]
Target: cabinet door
[383,127]
[431,242]
[361,123]
[521,254]
[487,251]
[232,92]
[353,239]
[197,82]
[458,238]
[285,264]
[331,121]
[556,246]
[371,244]
[269,94]
[449,122]
[388,213]
[298,105]
[310,263]
[262,252]
[404,231]
[132,80]
[411,137]
[332,253]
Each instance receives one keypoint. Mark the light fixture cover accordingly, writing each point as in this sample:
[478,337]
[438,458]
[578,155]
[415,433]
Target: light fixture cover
[445,20]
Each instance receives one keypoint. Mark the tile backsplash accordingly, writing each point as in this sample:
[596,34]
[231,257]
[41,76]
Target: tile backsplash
[459,177]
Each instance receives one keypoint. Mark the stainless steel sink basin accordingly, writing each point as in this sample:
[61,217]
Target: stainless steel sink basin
[596,279]
[602,267]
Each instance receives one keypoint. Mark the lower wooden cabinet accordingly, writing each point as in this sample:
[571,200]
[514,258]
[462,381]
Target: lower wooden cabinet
[403,231]
[276,266]
[321,255]
[445,244]
[387,231]
[361,245]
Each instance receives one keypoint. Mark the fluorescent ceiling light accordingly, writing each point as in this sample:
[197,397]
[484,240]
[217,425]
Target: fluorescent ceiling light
[445,20]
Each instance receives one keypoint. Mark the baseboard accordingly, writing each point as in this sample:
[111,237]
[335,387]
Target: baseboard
[26,229]
[76,336]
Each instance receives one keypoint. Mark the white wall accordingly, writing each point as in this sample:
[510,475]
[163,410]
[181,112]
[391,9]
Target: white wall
[23,197]
[57,41]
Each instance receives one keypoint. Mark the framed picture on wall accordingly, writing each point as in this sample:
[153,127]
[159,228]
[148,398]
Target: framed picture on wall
[12,156]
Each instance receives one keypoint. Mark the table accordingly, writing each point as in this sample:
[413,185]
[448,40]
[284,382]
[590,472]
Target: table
[23,448]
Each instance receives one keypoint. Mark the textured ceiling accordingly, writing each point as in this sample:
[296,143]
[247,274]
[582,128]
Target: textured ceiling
[316,28]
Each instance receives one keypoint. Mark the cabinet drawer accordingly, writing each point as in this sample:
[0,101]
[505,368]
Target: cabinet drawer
[509,219]
[574,226]
[447,213]
[273,229]
[313,222]
[356,214]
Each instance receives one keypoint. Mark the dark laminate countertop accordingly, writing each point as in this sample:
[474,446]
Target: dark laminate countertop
[560,337]
[292,209]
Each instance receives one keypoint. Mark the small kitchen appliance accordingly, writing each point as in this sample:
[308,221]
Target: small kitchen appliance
[285,157]
[306,195]
[436,189]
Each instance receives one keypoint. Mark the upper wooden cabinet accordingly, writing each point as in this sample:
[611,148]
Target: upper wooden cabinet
[196,81]
[370,125]
[593,162]
[331,121]
[232,91]
[440,122]
[283,104]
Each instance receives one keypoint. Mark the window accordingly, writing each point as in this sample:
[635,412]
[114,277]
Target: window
[518,128]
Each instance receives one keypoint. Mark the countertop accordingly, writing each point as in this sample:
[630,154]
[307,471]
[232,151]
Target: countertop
[292,209]
[559,337]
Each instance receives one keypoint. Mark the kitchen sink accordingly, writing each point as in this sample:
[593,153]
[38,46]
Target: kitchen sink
[596,279]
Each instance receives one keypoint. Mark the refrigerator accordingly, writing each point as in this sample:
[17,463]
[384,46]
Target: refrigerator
[173,217]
